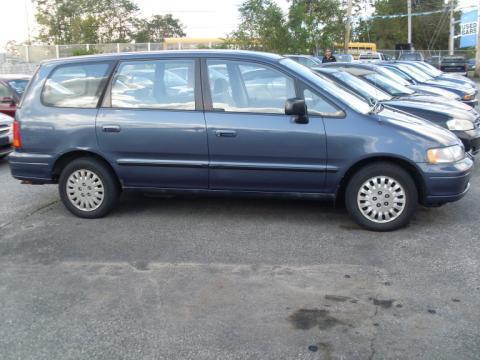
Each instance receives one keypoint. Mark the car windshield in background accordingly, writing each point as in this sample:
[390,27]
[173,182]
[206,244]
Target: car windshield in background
[344,57]
[430,69]
[388,85]
[369,57]
[353,101]
[453,59]
[410,57]
[18,85]
[392,75]
[361,86]
[416,74]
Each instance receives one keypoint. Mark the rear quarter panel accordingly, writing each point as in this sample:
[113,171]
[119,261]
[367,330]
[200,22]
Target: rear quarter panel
[48,132]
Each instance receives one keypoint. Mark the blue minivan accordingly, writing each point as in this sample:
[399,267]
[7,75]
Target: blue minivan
[227,122]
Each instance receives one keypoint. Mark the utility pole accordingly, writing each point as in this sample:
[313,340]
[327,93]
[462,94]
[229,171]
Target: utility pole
[348,26]
[477,48]
[452,30]
[409,12]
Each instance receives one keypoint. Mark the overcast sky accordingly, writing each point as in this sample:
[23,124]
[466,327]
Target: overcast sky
[207,18]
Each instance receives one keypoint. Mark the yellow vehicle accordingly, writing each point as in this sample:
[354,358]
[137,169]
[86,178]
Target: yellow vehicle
[357,48]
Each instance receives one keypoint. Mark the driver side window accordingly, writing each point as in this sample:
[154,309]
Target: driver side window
[238,86]
[316,105]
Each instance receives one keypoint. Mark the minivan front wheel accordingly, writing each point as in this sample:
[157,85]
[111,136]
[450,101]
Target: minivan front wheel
[88,188]
[381,197]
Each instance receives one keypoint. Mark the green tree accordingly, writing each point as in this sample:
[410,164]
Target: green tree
[157,28]
[262,27]
[428,32]
[85,21]
[315,24]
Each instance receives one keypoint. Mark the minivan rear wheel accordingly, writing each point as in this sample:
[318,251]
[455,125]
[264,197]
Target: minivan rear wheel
[381,197]
[88,188]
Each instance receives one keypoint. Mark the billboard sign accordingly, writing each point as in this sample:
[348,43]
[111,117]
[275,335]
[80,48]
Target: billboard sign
[468,29]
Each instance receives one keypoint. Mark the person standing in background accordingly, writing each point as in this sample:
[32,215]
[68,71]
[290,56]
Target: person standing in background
[328,57]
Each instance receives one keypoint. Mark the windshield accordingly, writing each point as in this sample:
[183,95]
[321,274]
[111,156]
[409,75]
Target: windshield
[18,85]
[388,85]
[392,75]
[431,70]
[416,74]
[362,87]
[348,98]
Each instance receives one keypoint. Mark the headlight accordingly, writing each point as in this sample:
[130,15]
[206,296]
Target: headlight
[460,125]
[445,155]
[469,97]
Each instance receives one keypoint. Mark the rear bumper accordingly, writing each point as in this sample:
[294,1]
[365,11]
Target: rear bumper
[31,167]
[447,182]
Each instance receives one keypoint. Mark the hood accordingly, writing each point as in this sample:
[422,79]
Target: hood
[435,90]
[450,85]
[444,110]
[420,130]
[440,100]
[457,80]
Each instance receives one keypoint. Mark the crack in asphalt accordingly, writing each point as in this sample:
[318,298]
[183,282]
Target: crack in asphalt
[31,213]
[374,338]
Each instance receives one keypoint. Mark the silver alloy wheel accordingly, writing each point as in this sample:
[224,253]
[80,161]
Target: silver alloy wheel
[85,190]
[381,199]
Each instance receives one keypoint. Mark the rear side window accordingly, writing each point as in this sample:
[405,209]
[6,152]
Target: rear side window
[157,84]
[76,85]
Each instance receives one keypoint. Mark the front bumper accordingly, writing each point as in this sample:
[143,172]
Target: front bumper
[471,103]
[470,140]
[5,144]
[446,182]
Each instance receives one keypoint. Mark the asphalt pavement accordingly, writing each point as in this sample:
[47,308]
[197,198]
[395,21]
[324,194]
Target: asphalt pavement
[219,278]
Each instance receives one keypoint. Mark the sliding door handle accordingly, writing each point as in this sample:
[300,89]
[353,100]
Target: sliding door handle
[225,133]
[111,128]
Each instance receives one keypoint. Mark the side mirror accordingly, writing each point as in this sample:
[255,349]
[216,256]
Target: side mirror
[297,108]
[7,100]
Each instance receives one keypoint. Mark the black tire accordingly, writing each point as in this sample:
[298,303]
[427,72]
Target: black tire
[381,169]
[111,188]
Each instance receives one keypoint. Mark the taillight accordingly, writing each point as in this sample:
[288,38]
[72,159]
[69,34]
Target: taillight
[17,140]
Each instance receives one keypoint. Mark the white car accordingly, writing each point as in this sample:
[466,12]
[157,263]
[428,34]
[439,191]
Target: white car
[372,57]
[6,134]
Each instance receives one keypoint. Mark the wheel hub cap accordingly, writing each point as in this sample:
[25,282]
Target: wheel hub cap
[381,199]
[85,190]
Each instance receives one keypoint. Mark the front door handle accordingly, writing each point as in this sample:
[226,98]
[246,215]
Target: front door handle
[111,128]
[225,133]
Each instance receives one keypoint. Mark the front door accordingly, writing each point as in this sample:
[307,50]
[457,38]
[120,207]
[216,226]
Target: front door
[253,145]
[152,125]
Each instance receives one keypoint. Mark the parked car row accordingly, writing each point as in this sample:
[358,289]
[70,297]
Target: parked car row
[378,136]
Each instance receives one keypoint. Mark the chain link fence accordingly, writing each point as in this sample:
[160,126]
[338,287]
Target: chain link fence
[24,58]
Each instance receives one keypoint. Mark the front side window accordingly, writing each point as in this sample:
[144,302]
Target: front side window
[316,105]
[342,95]
[155,84]
[76,85]
[248,87]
